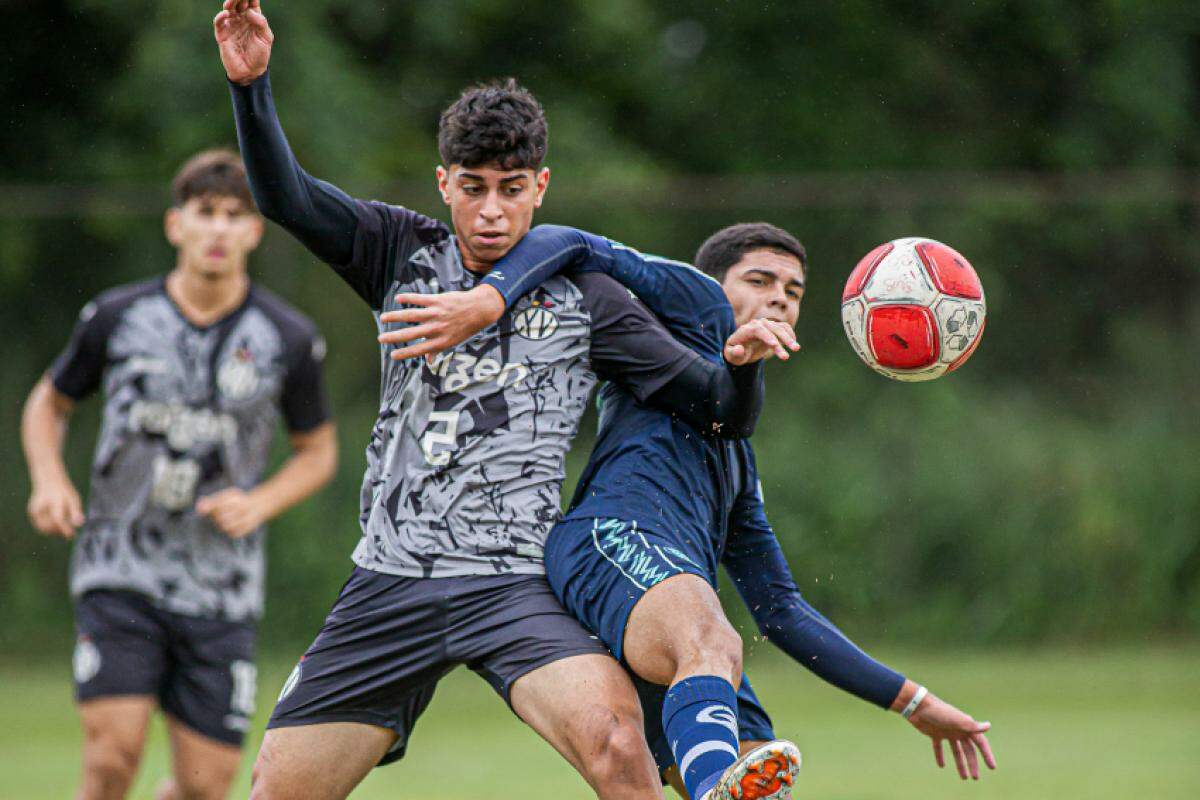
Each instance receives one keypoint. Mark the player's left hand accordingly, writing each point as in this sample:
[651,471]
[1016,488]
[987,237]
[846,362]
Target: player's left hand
[759,339]
[442,320]
[234,511]
[941,721]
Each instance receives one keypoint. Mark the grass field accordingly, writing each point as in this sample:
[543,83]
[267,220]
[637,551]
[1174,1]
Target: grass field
[1092,724]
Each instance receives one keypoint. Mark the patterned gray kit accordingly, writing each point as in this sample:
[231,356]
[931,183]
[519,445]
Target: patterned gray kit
[188,412]
[466,459]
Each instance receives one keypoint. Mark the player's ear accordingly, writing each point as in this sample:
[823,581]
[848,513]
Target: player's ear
[443,183]
[171,225]
[543,180]
[257,228]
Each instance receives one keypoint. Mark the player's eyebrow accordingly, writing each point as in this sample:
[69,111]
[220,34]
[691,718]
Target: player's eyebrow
[475,176]
[767,273]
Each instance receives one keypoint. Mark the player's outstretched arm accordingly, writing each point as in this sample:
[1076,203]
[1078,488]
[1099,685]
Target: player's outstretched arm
[321,216]
[55,508]
[760,571]
[678,294]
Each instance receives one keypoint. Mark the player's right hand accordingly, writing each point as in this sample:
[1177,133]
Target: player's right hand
[759,339]
[244,38]
[56,509]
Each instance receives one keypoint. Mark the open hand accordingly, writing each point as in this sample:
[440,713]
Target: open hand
[442,320]
[759,339]
[941,721]
[235,512]
[56,509]
[244,38]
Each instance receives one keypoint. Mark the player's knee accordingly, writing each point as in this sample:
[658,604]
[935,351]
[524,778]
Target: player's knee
[712,647]
[618,754]
[110,765]
[204,784]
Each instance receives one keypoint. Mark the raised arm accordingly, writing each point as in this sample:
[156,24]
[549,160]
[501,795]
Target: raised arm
[320,215]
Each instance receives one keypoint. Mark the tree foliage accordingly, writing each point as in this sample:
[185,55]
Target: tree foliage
[1048,489]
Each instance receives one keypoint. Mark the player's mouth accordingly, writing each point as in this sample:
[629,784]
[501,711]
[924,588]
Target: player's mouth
[490,238]
[216,252]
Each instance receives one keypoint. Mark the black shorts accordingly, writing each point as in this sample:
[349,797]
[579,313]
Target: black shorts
[388,640]
[200,670]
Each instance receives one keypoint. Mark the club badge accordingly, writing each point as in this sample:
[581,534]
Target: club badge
[537,322]
[238,378]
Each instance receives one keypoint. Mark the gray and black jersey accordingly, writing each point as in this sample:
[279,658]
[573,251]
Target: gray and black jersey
[466,459]
[188,411]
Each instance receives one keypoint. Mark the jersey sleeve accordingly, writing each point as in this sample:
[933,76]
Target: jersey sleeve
[305,402]
[628,345]
[758,568]
[79,368]
[385,238]
[690,304]
[362,241]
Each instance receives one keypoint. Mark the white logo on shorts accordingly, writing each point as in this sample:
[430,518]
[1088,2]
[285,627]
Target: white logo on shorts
[290,684]
[245,682]
[86,661]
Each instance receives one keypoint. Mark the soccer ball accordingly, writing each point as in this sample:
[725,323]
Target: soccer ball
[913,309]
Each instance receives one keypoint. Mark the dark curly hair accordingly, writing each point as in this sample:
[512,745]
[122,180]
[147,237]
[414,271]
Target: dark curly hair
[212,172]
[727,246]
[498,123]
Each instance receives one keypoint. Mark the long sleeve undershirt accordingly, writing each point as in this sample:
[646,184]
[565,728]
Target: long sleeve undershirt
[761,574]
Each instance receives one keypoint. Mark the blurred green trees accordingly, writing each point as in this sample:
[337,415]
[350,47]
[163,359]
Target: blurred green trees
[1049,489]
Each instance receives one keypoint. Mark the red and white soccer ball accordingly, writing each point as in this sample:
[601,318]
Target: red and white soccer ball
[913,309]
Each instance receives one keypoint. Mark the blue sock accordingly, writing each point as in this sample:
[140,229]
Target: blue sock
[700,717]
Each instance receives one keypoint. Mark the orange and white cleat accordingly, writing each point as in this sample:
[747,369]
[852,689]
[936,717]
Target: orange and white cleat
[765,773]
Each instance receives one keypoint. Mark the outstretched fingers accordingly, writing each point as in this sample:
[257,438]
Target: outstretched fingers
[981,741]
[960,759]
[938,755]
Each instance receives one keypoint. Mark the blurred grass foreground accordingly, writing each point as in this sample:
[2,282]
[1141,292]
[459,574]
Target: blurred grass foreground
[1101,724]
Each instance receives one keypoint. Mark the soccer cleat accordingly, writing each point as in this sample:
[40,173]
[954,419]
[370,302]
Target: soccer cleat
[765,773]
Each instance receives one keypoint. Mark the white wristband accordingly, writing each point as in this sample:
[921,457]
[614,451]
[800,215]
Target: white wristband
[916,701]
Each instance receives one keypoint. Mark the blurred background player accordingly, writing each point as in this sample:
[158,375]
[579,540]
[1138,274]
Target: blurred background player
[658,507]
[466,459]
[167,567]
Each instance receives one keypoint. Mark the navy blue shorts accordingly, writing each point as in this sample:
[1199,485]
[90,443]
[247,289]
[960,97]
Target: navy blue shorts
[389,639]
[599,569]
[201,671]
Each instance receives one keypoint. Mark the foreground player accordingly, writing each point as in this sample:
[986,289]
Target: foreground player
[658,507]
[167,569]
[466,459]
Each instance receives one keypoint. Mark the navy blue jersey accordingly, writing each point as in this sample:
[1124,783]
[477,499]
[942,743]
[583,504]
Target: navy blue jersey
[654,470]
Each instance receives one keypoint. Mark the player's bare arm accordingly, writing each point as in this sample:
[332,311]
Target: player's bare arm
[55,508]
[312,465]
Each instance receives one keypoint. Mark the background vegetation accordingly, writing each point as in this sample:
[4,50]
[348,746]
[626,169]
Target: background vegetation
[1048,491]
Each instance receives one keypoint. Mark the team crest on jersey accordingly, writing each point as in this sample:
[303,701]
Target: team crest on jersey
[238,378]
[537,322]
[86,661]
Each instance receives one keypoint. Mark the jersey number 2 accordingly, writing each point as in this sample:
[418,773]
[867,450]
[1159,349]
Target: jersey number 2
[447,437]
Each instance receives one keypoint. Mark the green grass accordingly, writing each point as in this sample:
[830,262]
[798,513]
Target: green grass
[1092,724]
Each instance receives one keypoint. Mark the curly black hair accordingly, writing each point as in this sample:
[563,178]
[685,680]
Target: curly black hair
[498,123]
[727,246]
